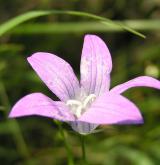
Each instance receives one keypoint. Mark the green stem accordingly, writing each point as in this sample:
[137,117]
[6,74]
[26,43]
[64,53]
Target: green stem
[69,152]
[83,149]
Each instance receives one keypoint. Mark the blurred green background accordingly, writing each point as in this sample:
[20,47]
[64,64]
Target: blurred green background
[36,140]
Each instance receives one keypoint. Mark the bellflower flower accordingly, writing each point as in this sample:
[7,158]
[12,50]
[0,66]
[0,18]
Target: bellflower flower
[87,104]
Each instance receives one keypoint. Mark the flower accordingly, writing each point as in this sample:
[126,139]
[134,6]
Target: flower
[87,104]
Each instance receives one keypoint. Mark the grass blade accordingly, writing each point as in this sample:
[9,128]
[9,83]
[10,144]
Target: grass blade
[79,27]
[5,27]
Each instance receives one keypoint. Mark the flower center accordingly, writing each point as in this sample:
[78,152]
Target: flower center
[79,107]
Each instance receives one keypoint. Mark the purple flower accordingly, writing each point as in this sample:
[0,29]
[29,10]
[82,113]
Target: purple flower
[87,104]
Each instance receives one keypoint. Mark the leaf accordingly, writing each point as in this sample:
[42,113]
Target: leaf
[5,27]
[87,26]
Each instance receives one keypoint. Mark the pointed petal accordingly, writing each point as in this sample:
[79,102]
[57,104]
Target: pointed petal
[96,65]
[142,81]
[112,109]
[56,73]
[39,104]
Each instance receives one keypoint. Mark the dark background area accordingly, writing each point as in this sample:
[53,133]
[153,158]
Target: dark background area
[36,140]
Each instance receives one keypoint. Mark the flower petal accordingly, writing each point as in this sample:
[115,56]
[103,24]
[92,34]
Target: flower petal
[142,81]
[112,109]
[56,73]
[83,127]
[96,65]
[39,104]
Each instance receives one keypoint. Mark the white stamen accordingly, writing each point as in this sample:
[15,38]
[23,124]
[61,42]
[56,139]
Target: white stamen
[79,107]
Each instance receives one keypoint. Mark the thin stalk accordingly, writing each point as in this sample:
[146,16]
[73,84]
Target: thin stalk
[83,149]
[67,146]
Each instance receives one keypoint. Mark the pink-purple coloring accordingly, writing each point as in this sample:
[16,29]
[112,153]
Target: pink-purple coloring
[85,104]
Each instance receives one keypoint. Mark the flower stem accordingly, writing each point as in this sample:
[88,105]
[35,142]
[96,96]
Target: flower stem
[83,149]
[69,152]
